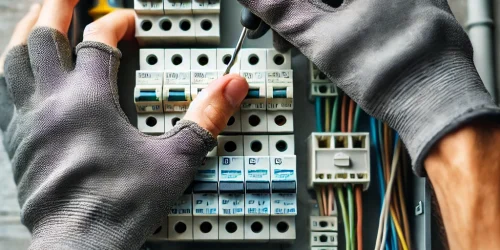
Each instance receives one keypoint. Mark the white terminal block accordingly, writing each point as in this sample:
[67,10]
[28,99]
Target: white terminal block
[253,121]
[282,228]
[203,69]
[171,119]
[148,91]
[321,86]
[149,6]
[208,171]
[177,84]
[180,219]
[253,67]
[323,223]
[153,123]
[256,151]
[279,80]
[177,7]
[223,58]
[207,29]
[206,6]
[324,239]
[339,158]
[257,228]
[180,228]
[231,228]
[206,228]
[160,30]
[280,121]
[152,59]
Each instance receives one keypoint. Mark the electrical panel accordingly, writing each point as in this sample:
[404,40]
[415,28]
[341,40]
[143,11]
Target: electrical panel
[246,188]
[339,158]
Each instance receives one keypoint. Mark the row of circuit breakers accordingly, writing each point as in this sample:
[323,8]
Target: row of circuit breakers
[246,188]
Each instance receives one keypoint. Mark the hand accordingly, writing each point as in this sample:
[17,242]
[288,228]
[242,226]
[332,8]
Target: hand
[87,178]
[408,63]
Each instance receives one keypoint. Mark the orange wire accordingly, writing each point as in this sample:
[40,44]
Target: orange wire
[331,199]
[351,114]
[325,201]
[342,114]
[359,214]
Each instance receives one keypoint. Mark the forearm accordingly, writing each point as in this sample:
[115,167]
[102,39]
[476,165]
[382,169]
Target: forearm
[464,169]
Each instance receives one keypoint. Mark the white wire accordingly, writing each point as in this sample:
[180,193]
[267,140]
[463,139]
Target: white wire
[382,233]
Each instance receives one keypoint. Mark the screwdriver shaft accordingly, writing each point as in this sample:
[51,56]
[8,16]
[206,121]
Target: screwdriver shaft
[236,50]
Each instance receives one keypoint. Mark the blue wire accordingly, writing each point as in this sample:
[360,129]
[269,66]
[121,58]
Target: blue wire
[374,139]
[319,126]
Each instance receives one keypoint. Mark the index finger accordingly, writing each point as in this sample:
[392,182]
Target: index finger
[111,28]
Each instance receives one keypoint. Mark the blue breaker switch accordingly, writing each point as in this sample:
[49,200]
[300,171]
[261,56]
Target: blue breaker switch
[176,95]
[279,93]
[147,95]
[252,94]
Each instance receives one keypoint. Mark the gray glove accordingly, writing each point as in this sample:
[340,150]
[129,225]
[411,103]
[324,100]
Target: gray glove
[87,178]
[406,62]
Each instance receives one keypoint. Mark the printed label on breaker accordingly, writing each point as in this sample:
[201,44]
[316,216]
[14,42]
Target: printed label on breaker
[258,204]
[281,104]
[208,170]
[178,78]
[254,77]
[148,108]
[148,78]
[285,204]
[177,5]
[231,204]
[183,206]
[203,77]
[205,204]
[281,77]
[169,106]
[283,168]
[231,168]
[257,168]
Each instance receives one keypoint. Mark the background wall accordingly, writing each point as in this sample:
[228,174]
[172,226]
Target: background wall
[12,234]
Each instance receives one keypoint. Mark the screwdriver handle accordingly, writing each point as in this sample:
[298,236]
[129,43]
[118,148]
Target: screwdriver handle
[249,20]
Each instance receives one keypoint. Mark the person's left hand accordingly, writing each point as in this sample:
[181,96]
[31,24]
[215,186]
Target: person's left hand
[87,178]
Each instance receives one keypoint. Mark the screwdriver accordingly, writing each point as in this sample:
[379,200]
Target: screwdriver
[249,21]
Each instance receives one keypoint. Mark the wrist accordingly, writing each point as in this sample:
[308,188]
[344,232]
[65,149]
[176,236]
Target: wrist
[464,170]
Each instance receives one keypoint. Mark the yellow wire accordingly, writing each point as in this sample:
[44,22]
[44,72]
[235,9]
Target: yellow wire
[399,231]
[320,202]
[327,114]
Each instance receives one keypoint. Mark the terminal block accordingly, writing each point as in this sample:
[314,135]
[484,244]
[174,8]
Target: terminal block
[177,84]
[207,29]
[321,86]
[203,69]
[324,239]
[153,123]
[339,158]
[323,223]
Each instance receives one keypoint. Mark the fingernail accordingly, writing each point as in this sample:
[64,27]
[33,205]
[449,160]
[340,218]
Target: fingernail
[235,91]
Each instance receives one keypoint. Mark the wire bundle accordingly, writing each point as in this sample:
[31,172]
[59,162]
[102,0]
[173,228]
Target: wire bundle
[387,144]
[349,118]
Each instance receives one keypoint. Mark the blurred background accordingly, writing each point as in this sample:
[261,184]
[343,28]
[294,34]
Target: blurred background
[13,235]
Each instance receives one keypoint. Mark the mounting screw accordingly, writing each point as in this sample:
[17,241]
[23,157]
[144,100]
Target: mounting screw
[419,209]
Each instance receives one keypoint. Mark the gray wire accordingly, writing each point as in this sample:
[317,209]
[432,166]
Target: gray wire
[236,50]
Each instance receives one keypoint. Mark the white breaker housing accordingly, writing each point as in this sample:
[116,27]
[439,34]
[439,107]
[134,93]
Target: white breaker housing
[339,158]
[177,83]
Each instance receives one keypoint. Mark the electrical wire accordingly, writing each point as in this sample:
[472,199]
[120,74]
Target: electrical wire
[335,111]
[387,199]
[318,114]
[357,115]
[320,201]
[350,116]
[343,114]
[359,217]
[327,114]
[406,227]
[345,217]
[331,199]
[405,176]
[383,131]
[323,197]
[350,205]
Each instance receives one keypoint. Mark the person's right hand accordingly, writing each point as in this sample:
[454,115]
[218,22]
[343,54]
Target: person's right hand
[407,62]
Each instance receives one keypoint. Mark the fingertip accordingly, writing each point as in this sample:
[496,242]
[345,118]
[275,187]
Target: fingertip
[111,28]
[236,90]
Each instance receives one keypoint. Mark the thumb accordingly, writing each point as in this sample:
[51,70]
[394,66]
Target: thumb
[213,106]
